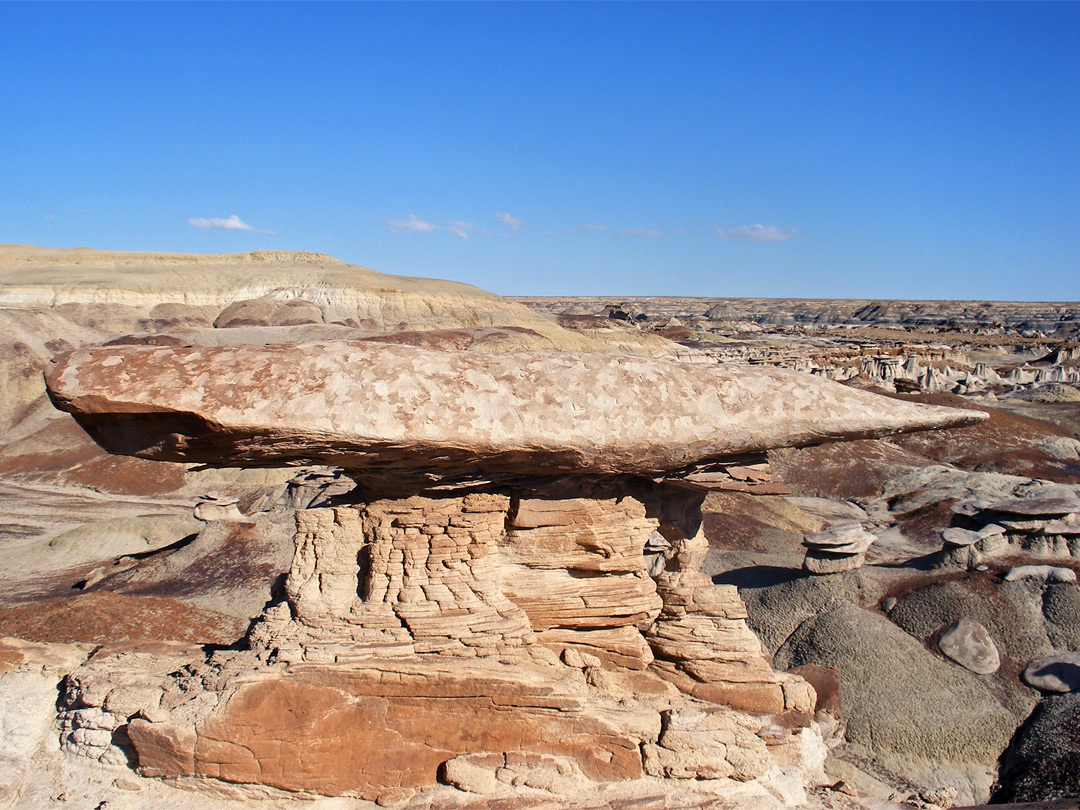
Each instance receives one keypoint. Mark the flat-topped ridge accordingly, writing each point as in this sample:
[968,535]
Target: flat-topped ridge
[31,254]
[33,276]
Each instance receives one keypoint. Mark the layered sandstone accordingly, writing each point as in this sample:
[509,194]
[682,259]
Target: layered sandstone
[47,277]
[479,612]
[418,640]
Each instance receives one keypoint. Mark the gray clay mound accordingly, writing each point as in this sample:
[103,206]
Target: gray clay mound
[752,569]
[1043,761]
[1011,612]
[109,539]
[1061,607]
[229,568]
[1051,392]
[776,611]
[900,701]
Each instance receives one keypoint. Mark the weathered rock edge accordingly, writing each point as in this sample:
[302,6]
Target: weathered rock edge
[364,407]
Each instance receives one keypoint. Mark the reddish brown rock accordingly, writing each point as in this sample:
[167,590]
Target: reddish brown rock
[102,616]
[163,749]
[334,731]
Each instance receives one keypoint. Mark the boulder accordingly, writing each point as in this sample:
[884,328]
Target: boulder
[968,644]
[1047,573]
[1010,612]
[1054,673]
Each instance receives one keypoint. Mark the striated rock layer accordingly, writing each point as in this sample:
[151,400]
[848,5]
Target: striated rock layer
[420,642]
[456,414]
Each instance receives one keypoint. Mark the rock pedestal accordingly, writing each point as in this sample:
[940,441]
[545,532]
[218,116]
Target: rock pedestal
[424,638]
[704,646]
[965,548]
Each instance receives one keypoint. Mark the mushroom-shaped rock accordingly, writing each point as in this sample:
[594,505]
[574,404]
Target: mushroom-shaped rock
[956,537]
[844,538]
[836,549]
[457,414]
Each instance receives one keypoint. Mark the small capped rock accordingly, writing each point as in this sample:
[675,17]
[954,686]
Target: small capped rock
[956,537]
[845,538]
[969,644]
[836,549]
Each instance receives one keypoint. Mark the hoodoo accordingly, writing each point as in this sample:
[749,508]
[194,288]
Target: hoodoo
[478,614]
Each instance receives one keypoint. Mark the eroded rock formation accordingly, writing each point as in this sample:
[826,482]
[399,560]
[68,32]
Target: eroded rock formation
[479,612]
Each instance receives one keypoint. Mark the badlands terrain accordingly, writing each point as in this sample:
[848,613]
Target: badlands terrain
[284,531]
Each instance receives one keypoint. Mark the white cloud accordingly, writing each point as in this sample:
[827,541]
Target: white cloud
[647,232]
[513,223]
[411,225]
[755,233]
[462,230]
[454,227]
[231,223]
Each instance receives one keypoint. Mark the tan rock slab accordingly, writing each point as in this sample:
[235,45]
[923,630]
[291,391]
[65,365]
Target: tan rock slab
[365,406]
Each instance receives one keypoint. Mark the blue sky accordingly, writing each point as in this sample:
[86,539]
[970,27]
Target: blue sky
[914,150]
